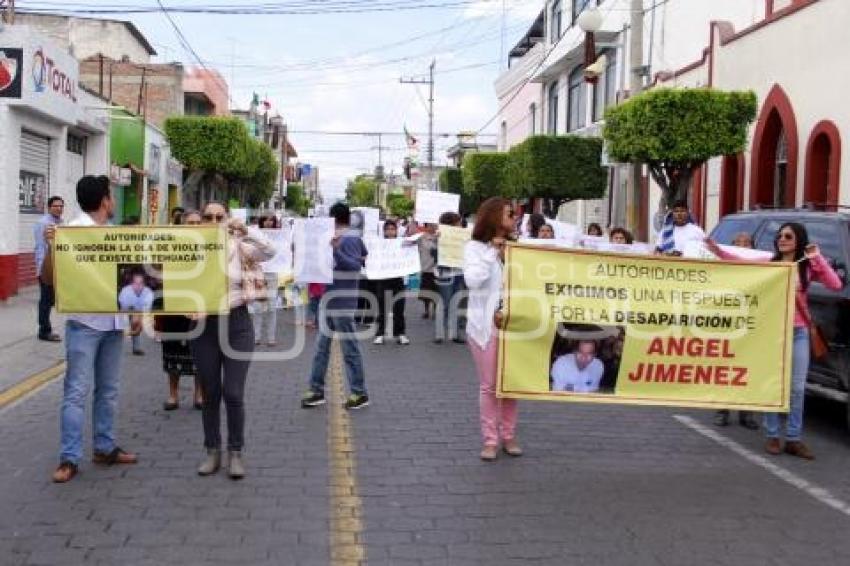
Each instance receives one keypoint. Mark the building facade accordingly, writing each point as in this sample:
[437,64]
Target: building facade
[52,132]
[545,92]
[794,156]
[90,37]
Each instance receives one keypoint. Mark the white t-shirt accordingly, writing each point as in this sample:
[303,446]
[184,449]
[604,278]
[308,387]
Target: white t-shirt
[682,235]
[566,375]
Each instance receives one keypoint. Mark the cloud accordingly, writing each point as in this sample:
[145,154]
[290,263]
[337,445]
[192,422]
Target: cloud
[521,10]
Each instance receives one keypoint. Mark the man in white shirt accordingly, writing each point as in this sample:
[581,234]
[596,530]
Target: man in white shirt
[679,229]
[136,296]
[579,372]
[93,353]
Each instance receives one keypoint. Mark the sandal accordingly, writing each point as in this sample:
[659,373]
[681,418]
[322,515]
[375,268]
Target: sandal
[171,405]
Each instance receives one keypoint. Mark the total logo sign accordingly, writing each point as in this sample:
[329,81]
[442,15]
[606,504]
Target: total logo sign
[47,76]
[11,68]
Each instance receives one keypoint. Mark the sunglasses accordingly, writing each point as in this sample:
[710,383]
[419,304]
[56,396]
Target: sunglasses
[785,236]
[211,217]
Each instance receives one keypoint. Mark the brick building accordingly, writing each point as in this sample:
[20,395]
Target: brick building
[152,90]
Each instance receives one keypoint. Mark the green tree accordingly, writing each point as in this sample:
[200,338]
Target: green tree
[451,180]
[224,161]
[296,200]
[399,205]
[362,191]
[674,131]
[484,177]
[557,169]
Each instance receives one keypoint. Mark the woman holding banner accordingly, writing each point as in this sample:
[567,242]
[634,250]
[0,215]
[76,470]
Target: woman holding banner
[177,357]
[390,296]
[265,308]
[224,346]
[482,271]
[792,245]
[449,284]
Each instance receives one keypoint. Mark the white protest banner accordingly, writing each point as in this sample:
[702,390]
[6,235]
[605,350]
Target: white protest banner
[450,245]
[314,261]
[390,258]
[431,204]
[550,242]
[696,249]
[564,230]
[281,239]
[370,220]
[239,214]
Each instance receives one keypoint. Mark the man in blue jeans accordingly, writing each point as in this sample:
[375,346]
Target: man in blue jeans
[337,316]
[93,348]
[46,300]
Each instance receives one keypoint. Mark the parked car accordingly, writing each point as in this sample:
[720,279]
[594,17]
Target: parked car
[830,376]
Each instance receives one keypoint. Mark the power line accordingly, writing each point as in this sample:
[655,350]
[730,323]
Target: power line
[276,9]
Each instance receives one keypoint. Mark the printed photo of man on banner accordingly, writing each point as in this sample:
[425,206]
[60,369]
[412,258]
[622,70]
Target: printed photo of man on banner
[593,327]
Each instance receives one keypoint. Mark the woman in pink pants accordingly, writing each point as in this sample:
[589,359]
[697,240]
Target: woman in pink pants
[482,270]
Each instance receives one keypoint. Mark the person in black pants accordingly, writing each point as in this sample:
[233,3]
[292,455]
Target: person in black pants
[223,349]
[390,295]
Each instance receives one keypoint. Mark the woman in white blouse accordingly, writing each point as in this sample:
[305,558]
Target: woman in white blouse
[482,270]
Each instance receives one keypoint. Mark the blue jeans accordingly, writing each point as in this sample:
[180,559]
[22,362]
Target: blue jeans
[448,318]
[343,325]
[799,371]
[93,357]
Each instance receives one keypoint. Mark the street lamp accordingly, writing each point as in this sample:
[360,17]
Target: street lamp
[590,21]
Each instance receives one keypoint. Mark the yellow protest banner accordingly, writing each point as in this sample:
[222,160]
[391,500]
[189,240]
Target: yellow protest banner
[450,245]
[646,330]
[164,269]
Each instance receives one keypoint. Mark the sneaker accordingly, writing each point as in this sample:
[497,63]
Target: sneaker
[378,340]
[403,340]
[312,399]
[357,402]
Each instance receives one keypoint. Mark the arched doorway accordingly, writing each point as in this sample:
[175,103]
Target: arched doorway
[732,184]
[775,153]
[823,165]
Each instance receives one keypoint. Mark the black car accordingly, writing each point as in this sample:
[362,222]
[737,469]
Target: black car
[830,376]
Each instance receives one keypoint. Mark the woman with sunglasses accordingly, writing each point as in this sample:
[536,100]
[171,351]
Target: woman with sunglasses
[792,245]
[177,357]
[222,372]
[483,258]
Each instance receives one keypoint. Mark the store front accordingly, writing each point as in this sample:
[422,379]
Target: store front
[51,132]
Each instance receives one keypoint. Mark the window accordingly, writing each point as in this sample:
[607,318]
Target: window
[553,108]
[726,231]
[504,136]
[555,25]
[780,177]
[576,100]
[76,144]
[605,91]
[532,118]
[578,8]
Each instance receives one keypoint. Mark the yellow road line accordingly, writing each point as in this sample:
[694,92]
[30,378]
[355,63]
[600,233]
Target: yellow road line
[346,536]
[30,384]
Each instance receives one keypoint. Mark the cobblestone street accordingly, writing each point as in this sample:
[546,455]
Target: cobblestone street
[598,485]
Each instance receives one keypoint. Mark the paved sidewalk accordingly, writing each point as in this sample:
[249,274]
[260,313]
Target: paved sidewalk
[22,354]
[604,485]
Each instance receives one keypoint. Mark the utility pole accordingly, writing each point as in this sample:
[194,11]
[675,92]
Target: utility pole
[636,77]
[430,83]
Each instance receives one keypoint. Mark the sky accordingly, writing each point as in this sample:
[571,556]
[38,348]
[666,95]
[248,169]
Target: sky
[340,72]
